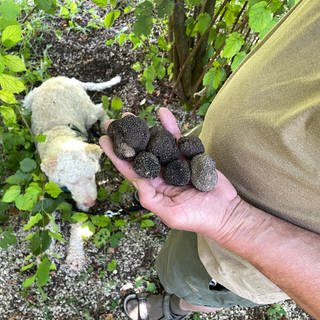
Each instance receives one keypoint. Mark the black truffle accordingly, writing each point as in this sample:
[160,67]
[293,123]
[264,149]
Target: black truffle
[177,173]
[163,145]
[203,174]
[190,146]
[129,135]
[146,165]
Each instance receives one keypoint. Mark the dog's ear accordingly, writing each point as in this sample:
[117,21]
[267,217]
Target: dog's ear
[48,166]
[94,151]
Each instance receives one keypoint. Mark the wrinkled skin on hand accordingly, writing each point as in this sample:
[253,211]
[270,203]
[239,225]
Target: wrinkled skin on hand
[183,208]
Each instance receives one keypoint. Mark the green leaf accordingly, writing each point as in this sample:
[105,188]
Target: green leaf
[115,239]
[101,237]
[237,60]
[202,24]
[28,165]
[260,16]
[112,265]
[111,17]
[19,178]
[203,109]
[14,63]
[11,194]
[137,67]
[208,78]
[219,41]
[233,45]
[147,223]
[11,84]
[213,78]
[80,217]
[100,3]
[40,242]
[116,103]
[151,287]
[120,223]
[229,17]
[56,235]
[164,8]
[29,281]
[47,205]
[8,116]
[48,6]
[9,12]
[33,220]
[142,26]
[100,221]
[27,267]
[7,238]
[7,97]
[143,23]
[144,8]
[11,35]
[43,271]
[52,189]
[27,201]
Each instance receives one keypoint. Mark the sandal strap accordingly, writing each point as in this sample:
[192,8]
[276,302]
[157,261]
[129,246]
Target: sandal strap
[167,312]
[142,307]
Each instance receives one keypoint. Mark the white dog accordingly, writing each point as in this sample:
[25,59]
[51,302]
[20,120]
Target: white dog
[63,112]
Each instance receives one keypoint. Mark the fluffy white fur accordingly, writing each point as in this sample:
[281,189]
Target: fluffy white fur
[59,106]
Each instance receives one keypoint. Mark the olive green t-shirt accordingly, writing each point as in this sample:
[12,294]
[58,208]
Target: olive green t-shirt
[263,130]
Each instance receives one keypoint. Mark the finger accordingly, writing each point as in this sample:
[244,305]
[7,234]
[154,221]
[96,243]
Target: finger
[168,120]
[127,114]
[123,166]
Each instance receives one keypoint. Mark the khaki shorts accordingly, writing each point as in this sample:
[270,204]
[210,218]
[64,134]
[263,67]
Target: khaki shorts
[182,273]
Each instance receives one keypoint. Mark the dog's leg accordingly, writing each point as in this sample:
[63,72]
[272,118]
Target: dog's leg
[93,86]
[76,256]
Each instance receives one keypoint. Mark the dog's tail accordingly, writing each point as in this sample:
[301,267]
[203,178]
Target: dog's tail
[93,86]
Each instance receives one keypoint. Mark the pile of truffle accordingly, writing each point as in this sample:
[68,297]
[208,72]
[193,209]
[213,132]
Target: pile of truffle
[155,151]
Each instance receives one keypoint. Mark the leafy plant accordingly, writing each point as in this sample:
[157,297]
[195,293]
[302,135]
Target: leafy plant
[276,312]
[24,188]
[146,284]
[195,43]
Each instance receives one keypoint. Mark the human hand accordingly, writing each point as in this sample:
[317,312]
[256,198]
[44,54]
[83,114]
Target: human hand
[183,208]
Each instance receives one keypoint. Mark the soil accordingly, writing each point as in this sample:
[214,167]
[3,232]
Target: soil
[96,293]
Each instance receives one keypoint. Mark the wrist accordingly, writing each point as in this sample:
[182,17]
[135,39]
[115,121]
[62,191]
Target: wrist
[241,225]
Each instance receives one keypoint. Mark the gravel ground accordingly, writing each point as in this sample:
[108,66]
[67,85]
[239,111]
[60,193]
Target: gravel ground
[96,293]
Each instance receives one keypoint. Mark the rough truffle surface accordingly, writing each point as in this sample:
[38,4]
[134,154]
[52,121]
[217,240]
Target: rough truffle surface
[129,135]
[163,145]
[177,173]
[203,174]
[146,165]
[190,146]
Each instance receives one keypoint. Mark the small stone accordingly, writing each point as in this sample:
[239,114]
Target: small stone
[190,146]
[203,174]
[146,165]
[177,173]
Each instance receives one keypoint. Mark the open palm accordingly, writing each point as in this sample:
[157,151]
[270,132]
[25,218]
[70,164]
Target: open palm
[182,208]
